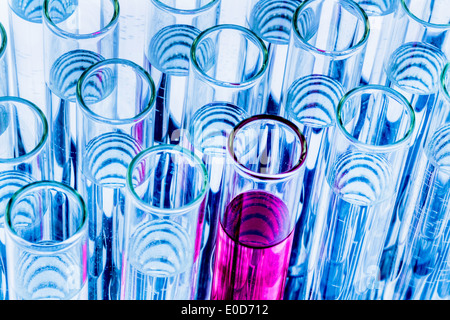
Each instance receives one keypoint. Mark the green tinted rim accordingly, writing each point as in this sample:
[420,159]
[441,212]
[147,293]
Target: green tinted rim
[194,11]
[97,34]
[425,23]
[389,92]
[81,229]
[139,70]
[267,117]
[40,115]
[247,32]
[359,46]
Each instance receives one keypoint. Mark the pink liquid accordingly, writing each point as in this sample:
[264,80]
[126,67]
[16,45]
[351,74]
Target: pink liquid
[253,247]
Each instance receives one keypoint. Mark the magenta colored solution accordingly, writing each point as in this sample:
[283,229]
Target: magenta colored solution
[254,241]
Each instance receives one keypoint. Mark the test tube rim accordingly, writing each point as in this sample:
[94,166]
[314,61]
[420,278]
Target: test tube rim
[404,5]
[55,247]
[116,61]
[261,176]
[444,85]
[405,141]
[340,54]
[69,35]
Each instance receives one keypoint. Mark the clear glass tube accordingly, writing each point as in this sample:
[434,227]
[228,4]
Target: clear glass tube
[425,274]
[382,15]
[167,187]
[328,37]
[259,208]
[311,104]
[223,90]
[23,158]
[132,24]
[172,27]
[425,21]
[234,12]
[115,100]
[46,238]
[27,49]
[77,34]
[374,129]
[209,131]
[228,64]
[414,70]
[271,20]
[4,75]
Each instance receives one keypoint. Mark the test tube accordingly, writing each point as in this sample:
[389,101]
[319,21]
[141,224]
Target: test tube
[413,70]
[311,104]
[4,75]
[115,100]
[271,20]
[132,24]
[374,129]
[226,75]
[228,63]
[172,26]
[23,159]
[77,34]
[47,256]
[167,187]
[328,37]
[259,209]
[425,274]
[383,16]
[424,21]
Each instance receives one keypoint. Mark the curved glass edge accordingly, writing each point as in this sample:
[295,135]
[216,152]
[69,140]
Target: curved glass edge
[393,94]
[169,148]
[267,177]
[61,187]
[256,39]
[341,54]
[97,34]
[40,145]
[116,61]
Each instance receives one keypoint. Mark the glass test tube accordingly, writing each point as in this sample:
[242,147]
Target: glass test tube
[382,15]
[374,128]
[47,256]
[27,49]
[167,187]
[425,275]
[228,63]
[209,131]
[23,159]
[77,34]
[132,24]
[259,209]
[115,122]
[4,76]
[311,104]
[228,66]
[413,70]
[171,28]
[271,20]
[424,21]
[328,37]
